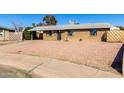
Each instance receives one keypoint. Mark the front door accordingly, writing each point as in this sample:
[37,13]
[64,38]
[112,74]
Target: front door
[41,36]
[59,35]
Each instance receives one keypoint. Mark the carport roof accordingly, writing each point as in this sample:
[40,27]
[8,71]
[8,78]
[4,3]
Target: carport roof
[74,26]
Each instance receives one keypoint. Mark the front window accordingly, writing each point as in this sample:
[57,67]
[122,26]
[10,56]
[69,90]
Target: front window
[49,33]
[70,33]
[1,33]
[93,32]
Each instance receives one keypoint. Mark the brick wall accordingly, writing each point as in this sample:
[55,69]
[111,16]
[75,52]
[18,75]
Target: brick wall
[77,35]
[47,37]
[84,35]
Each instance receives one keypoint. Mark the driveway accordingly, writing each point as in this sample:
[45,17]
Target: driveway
[39,67]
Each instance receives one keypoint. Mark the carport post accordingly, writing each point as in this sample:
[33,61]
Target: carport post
[3,34]
[32,35]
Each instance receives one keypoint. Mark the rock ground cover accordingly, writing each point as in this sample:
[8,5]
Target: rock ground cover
[98,55]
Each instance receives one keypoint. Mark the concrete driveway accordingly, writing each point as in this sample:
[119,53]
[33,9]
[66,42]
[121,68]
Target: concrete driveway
[46,67]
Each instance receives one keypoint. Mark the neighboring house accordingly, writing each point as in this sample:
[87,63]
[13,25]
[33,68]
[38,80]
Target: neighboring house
[9,34]
[114,28]
[72,32]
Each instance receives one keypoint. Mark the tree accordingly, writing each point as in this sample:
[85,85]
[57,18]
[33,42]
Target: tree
[17,26]
[121,27]
[49,20]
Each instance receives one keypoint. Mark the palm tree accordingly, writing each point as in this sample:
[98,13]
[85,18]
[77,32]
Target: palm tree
[49,20]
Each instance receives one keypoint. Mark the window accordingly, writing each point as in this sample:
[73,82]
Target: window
[93,32]
[1,33]
[70,33]
[49,33]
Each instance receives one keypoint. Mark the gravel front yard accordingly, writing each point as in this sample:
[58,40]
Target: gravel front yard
[7,42]
[94,54]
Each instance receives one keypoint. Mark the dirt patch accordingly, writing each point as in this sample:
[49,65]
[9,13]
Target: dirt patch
[8,42]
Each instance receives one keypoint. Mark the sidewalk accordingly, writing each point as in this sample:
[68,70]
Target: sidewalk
[47,67]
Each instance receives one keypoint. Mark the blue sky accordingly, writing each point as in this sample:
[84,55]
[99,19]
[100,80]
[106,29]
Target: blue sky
[28,19]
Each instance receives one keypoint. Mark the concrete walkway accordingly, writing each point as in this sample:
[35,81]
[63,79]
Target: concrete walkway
[47,67]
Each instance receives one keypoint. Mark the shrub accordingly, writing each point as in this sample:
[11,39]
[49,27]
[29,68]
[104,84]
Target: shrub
[121,27]
[27,34]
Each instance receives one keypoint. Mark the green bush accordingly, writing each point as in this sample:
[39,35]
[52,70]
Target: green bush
[121,27]
[27,34]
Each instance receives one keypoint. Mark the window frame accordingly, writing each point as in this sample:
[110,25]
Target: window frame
[93,32]
[1,32]
[49,33]
[70,32]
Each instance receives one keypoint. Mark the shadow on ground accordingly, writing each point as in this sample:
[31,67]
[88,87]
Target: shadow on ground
[117,63]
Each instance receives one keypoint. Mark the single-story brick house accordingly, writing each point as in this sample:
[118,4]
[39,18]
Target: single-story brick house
[9,34]
[72,32]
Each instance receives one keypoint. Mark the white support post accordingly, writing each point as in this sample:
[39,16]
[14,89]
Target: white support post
[3,34]
[31,36]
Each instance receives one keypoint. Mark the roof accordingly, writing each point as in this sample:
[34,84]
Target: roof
[1,27]
[73,26]
[114,28]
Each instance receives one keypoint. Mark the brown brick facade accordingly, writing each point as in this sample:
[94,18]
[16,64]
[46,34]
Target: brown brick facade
[77,35]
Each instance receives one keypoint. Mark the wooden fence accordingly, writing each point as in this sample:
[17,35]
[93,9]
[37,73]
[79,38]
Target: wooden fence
[115,36]
[15,36]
